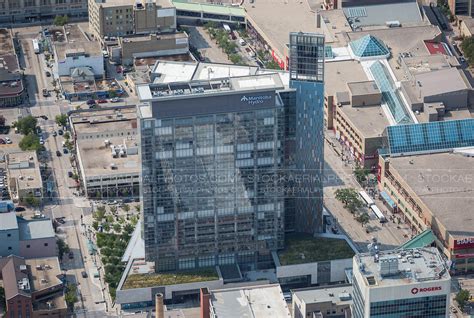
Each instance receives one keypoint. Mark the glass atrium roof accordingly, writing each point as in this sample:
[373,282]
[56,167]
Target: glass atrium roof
[390,95]
[434,136]
[368,46]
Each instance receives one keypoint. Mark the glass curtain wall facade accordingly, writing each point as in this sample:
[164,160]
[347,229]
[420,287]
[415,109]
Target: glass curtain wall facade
[306,68]
[207,196]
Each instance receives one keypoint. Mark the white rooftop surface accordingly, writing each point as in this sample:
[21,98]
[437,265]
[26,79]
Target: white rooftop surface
[174,71]
[257,82]
[256,301]
[335,294]
[212,71]
[8,221]
[414,265]
[36,229]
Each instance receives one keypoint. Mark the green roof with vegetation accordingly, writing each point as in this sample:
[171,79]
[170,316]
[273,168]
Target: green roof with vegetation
[163,279]
[209,8]
[300,249]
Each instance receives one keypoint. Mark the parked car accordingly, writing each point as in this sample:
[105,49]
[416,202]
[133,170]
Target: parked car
[60,132]
[65,151]
[2,141]
[84,274]
[45,92]
[115,100]
[8,140]
[71,255]
[69,174]
[48,73]
[91,102]
[242,42]
[101,101]
[41,141]
[55,133]
[58,153]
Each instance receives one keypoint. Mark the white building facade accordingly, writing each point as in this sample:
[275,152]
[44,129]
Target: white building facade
[412,283]
[77,59]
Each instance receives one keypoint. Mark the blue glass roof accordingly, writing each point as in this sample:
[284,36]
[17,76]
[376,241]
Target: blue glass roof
[368,46]
[328,52]
[434,136]
[390,95]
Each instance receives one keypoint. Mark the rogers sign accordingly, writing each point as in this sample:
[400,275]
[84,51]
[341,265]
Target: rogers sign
[416,290]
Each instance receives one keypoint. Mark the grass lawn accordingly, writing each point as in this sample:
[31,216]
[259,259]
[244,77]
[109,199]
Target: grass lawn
[162,279]
[307,249]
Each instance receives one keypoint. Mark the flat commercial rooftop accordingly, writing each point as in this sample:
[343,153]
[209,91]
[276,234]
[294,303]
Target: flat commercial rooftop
[337,295]
[414,265]
[24,168]
[398,41]
[45,272]
[441,82]
[369,120]
[363,88]
[36,229]
[209,87]
[8,221]
[257,301]
[444,182]
[75,42]
[338,74]
[97,159]
[276,18]
[407,13]
[172,71]
[114,3]
[6,43]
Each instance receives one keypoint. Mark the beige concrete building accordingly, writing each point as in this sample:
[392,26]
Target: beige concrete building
[153,45]
[14,11]
[24,177]
[111,18]
[322,302]
[107,152]
[466,27]
[352,109]
[435,191]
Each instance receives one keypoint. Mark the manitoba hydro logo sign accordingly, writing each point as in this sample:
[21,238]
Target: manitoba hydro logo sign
[255,100]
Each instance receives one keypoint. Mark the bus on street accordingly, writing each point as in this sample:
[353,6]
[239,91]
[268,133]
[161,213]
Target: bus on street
[378,213]
[36,46]
[365,197]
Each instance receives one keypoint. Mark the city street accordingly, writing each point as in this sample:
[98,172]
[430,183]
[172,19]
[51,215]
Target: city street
[338,176]
[63,203]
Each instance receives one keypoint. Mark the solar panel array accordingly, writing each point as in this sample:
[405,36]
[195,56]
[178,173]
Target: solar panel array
[356,12]
[434,136]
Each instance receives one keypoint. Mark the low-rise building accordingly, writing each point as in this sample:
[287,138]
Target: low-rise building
[12,90]
[112,18]
[74,50]
[107,151]
[466,26]
[24,176]
[33,288]
[26,238]
[130,48]
[434,191]
[21,11]
[322,302]
[255,301]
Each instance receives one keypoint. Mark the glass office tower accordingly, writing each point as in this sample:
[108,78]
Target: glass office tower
[210,159]
[307,78]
